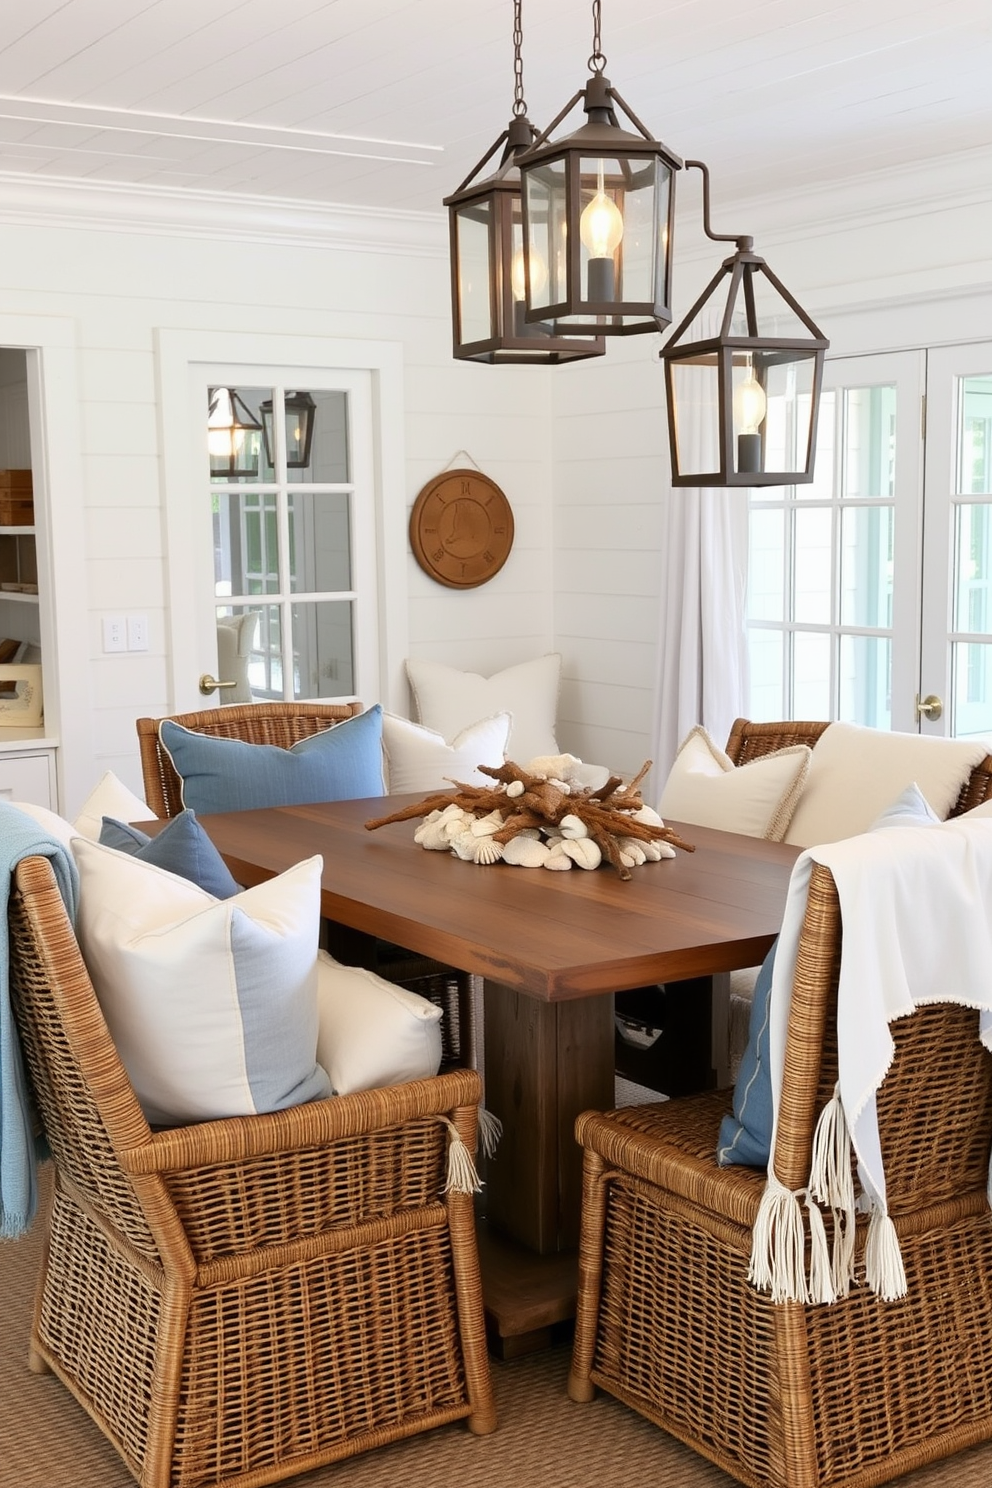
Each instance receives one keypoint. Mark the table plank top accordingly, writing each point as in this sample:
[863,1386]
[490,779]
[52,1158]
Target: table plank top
[554,936]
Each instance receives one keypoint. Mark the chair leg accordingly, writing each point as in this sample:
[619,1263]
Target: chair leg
[595,1179]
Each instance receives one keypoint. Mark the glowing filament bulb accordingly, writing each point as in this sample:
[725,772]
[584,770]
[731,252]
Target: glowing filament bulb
[538,274]
[750,403]
[601,223]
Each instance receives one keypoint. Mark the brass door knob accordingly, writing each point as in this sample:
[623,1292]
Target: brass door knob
[210,684]
[930,707]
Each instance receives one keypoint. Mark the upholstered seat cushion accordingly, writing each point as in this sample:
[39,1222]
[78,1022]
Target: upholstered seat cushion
[342,763]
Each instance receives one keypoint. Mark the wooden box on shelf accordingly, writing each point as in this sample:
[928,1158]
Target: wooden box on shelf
[21,703]
[16,498]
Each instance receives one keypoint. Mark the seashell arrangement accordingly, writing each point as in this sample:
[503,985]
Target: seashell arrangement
[540,816]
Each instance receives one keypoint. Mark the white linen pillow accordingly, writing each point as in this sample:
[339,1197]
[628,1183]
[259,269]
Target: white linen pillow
[110,797]
[449,701]
[856,771]
[212,1004]
[371,1032]
[419,758]
[706,788]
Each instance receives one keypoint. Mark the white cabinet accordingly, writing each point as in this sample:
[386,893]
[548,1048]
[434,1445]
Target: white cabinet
[27,768]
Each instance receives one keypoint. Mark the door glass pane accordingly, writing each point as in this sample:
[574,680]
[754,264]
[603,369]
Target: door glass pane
[971,665]
[320,542]
[767,698]
[866,565]
[330,455]
[869,441]
[973,569]
[811,675]
[766,564]
[974,461]
[246,550]
[812,566]
[866,680]
[323,650]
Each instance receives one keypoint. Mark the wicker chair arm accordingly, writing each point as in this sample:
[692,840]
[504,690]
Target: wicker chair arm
[318,1123]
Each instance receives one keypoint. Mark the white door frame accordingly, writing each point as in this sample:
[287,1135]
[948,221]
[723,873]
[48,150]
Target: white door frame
[60,522]
[189,577]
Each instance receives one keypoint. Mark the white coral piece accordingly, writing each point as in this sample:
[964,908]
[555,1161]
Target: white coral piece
[557,859]
[487,850]
[632,851]
[525,851]
[573,827]
[548,766]
[463,846]
[456,825]
[583,852]
[433,837]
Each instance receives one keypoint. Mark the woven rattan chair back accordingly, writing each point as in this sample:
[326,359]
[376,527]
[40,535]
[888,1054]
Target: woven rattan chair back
[283,724]
[790,1395]
[750,741]
[245,1299]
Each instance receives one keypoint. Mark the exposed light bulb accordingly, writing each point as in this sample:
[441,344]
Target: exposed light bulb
[538,274]
[750,403]
[750,407]
[601,225]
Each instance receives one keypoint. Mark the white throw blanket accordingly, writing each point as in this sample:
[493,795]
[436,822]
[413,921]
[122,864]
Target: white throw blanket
[916,907]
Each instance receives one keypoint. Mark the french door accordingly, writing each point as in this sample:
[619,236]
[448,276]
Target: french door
[870,590]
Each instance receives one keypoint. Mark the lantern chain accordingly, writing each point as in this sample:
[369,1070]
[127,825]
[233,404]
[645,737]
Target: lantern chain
[519,106]
[597,62]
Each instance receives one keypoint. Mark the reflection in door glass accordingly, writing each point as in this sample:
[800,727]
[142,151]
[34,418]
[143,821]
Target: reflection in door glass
[866,681]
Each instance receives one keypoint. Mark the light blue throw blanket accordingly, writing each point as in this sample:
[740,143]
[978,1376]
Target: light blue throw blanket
[21,837]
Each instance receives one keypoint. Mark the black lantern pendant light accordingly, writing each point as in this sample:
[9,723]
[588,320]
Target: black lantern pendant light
[753,384]
[298,415]
[488,270]
[598,208]
[232,434]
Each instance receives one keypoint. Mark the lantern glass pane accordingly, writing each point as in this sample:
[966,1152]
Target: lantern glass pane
[695,385]
[772,409]
[236,450]
[547,242]
[617,229]
[475,318]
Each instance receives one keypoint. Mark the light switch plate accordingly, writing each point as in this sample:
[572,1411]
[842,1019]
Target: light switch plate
[114,633]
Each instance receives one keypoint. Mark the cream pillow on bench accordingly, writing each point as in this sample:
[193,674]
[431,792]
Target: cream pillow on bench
[450,700]
[707,789]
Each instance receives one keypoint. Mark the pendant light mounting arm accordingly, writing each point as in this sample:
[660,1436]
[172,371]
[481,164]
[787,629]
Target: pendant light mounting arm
[744,244]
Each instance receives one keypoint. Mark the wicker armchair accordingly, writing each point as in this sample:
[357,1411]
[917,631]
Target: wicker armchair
[788,1395]
[284,724]
[245,1299]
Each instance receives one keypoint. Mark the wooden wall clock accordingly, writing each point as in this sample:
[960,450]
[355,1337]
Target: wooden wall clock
[461,528]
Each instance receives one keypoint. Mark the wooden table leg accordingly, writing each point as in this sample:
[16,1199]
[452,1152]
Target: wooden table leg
[545,1062]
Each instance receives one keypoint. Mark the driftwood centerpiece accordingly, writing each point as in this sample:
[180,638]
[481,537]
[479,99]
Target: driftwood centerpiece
[535,817]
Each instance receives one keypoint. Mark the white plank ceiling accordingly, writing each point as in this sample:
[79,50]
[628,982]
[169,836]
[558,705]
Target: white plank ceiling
[389,103]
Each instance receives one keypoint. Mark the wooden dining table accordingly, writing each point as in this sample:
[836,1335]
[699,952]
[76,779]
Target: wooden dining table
[551,948]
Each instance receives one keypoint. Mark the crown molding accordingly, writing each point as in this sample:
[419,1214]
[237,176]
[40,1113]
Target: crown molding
[107,207]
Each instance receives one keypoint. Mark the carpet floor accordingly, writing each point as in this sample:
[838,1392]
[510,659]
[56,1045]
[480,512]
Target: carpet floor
[47,1440]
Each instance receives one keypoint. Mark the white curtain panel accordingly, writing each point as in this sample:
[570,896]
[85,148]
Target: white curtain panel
[702,646]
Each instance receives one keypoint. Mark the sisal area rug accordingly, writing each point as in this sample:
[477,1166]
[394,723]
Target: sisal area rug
[47,1440]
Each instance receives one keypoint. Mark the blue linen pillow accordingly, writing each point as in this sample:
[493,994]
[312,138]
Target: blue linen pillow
[746,1136]
[343,763]
[181,847]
